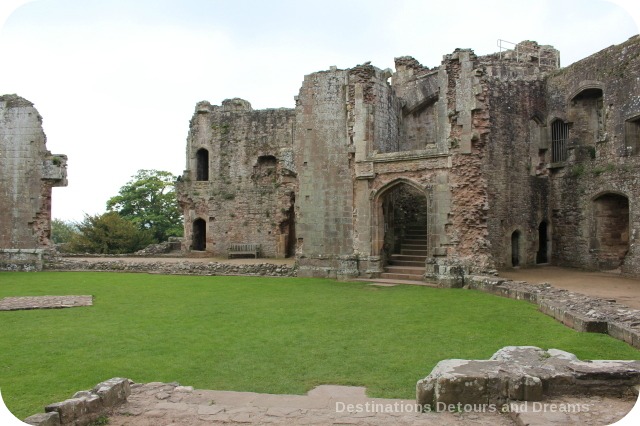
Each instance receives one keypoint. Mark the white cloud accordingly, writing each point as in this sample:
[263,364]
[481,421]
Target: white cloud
[117,81]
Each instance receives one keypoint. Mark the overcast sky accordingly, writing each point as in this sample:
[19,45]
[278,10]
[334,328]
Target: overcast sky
[116,81]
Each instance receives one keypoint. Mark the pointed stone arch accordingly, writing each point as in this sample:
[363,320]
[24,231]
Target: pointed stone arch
[401,202]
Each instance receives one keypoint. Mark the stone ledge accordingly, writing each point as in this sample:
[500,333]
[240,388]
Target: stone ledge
[178,268]
[523,373]
[85,406]
[578,311]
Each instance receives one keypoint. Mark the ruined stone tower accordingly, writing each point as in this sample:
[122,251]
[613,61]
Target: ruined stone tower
[483,162]
[27,174]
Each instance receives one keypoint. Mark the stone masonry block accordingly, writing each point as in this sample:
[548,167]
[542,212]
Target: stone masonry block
[113,391]
[44,419]
[70,410]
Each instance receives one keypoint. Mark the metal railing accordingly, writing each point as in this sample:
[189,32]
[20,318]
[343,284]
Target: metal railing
[546,56]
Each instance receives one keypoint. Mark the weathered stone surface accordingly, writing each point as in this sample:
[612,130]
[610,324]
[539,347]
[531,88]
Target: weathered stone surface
[113,391]
[471,139]
[44,419]
[27,173]
[87,406]
[180,267]
[44,302]
[524,373]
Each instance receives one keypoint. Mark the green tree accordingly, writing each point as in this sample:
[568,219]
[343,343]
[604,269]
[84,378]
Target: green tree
[149,201]
[62,231]
[108,233]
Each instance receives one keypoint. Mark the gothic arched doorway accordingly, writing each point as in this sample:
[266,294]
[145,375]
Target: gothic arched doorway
[401,222]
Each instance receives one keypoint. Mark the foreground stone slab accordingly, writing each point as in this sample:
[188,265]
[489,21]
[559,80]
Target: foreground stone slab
[44,302]
[522,373]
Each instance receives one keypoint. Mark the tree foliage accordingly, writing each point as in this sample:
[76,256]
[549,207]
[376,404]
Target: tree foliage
[108,233]
[149,201]
[62,231]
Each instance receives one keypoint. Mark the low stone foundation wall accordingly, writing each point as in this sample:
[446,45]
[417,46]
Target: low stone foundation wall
[21,259]
[182,267]
[85,406]
[578,311]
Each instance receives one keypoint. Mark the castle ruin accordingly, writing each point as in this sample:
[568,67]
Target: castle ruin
[28,172]
[480,163]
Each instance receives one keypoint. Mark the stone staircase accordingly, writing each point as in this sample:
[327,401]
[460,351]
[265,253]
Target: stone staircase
[409,263]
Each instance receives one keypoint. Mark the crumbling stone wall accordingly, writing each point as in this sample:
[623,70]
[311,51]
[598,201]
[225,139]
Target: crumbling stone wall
[28,171]
[518,187]
[598,99]
[249,189]
[472,136]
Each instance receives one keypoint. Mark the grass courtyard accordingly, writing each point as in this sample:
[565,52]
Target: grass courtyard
[273,335]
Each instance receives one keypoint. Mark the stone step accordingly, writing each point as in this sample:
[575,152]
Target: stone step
[418,263]
[408,277]
[391,281]
[411,270]
[401,257]
[415,241]
[407,246]
[415,234]
[424,253]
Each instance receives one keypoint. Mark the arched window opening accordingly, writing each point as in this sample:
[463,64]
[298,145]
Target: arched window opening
[559,138]
[611,230]
[587,115]
[199,235]
[542,255]
[515,248]
[202,165]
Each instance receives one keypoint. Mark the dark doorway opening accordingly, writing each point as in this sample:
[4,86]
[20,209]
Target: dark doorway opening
[543,240]
[199,242]
[611,233]
[515,249]
[202,165]
[405,221]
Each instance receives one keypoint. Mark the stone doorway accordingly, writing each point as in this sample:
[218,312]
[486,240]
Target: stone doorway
[610,231]
[405,228]
[199,235]
[542,256]
[515,249]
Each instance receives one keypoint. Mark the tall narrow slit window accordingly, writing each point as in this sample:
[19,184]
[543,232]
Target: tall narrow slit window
[202,165]
[559,139]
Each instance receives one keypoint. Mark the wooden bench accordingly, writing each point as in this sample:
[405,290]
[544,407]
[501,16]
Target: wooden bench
[253,249]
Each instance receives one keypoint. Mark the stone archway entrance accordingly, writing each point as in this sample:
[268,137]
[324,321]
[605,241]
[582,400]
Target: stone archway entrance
[403,233]
[610,231]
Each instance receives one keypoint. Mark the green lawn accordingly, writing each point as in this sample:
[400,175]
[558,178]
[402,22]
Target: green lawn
[275,335]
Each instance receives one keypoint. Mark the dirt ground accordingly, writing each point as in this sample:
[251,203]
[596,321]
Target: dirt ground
[605,285]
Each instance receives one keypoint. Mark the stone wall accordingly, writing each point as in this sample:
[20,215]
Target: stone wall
[323,158]
[479,140]
[106,264]
[594,193]
[239,184]
[85,407]
[27,173]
